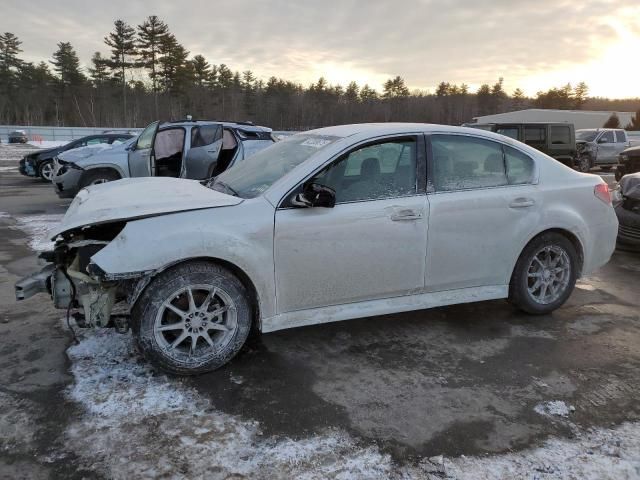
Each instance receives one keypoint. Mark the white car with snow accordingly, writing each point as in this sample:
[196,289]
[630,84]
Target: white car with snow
[332,224]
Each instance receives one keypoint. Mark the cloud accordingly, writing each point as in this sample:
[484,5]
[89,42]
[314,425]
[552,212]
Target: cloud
[425,41]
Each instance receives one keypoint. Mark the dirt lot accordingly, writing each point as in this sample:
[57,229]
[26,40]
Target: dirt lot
[472,391]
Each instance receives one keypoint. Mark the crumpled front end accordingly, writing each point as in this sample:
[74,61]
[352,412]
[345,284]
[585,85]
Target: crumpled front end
[68,278]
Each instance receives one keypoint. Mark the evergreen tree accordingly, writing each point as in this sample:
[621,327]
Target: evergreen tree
[173,64]
[368,94]
[201,70]
[98,72]
[123,49]
[580,95]
[151,34]
[612,122]
[66,64]
[395,88]
[352,93]
[9,61]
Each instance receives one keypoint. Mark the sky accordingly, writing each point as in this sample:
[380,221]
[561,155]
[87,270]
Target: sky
[533,45]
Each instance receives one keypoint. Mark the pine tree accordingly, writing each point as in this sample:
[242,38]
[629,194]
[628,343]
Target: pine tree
[66,64]
[368,94]
[201,70]
[580,95]
[151,34]
[173,63]
[395,88]
[518,98]
[98,72]
[123,49]
[612,122]
[352,93]
[9,61]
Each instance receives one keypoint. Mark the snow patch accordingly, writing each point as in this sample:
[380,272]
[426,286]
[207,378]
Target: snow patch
[556,408]
[38,227]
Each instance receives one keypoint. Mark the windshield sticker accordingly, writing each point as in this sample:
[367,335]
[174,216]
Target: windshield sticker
[315,142]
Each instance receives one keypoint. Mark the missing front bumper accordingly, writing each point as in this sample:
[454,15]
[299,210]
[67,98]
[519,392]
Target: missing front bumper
[35,283]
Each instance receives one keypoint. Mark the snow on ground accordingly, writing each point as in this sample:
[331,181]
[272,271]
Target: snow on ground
[555,408]
[139,423]
[37,227]
[8,169]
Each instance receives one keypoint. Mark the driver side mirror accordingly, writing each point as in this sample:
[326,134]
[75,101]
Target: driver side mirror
[315,195]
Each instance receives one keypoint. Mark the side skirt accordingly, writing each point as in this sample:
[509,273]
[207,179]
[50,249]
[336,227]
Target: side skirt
[383,306]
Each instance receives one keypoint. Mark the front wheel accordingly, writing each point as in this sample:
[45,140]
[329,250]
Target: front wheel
[545,274]
[46,171]
[97,177]
[583,163]
[192,318]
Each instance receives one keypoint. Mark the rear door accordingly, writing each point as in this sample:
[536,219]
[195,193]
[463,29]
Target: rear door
[205,147]
[483,206]
[141,154]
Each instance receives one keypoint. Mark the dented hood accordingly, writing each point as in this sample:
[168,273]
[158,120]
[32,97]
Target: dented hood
[132,198]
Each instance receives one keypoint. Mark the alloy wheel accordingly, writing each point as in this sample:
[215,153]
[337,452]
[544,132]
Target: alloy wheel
[47,171]
[548,274]
[195,321]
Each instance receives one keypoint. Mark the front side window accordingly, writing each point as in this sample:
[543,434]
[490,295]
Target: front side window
[535,135]
[621,137]
[383,170]
[461,162]
[560,135]
[146,137]
[606,137]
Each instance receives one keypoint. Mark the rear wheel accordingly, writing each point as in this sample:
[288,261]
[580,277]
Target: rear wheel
[192,318]
[545,274]
[46,170]
[97,177]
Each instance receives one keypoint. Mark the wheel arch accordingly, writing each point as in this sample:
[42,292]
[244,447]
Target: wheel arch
[143,283]
[569,235]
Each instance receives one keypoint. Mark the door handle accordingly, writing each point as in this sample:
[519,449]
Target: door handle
[522,203]
[405,214]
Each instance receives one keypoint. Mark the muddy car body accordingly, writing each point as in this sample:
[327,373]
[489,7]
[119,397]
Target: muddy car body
[181,149]
[332,224]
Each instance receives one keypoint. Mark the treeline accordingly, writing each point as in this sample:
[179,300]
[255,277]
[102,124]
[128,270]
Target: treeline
[146,74]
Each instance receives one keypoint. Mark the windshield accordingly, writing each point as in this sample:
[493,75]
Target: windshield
[586,135]
[251,177]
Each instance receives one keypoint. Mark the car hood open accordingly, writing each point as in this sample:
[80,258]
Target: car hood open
[133,198]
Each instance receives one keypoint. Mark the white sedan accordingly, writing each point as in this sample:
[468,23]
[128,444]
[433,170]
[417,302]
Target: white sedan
[332,224]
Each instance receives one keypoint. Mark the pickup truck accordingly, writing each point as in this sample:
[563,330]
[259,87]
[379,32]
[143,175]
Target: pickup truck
[600,147]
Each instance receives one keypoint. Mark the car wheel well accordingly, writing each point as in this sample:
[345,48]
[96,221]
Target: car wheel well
[575,241]
[233,268]
[101,170]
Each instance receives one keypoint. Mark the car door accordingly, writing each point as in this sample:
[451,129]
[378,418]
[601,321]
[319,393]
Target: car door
[606,148]
[141,155]
[205,147]
[481,212]
[371,245]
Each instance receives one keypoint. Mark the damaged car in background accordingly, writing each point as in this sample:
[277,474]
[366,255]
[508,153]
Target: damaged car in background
[194,149]
[333,224]
[628,211]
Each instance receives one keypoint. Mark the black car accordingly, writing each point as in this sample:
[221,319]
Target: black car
[628,162]
[628,212]
[18,136]
[40,163]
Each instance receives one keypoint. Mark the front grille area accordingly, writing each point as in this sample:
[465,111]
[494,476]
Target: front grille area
[629,232]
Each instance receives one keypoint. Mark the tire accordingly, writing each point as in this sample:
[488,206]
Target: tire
[45,170]
[547,247]
[173,349]
[95,177]
[583,163]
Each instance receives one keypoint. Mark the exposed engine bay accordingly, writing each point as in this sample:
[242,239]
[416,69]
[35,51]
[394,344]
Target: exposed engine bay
[75,283]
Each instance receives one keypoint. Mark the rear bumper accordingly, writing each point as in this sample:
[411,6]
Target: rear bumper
[601,244]
[35,283]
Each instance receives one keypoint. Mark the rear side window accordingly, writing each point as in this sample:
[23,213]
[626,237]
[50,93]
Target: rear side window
[461,162]
[205,135]
[519,166]
[560,135]
[621,137]
[535,135]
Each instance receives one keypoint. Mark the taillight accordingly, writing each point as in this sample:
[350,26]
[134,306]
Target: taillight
[602,192]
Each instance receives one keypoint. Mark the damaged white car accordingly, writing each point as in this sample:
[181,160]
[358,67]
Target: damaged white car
[333,224]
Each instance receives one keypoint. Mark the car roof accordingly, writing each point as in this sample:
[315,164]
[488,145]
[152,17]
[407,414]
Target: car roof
[397,128]
[249,127]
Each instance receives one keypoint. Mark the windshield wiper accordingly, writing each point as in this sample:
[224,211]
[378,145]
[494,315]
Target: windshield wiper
[226,187]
